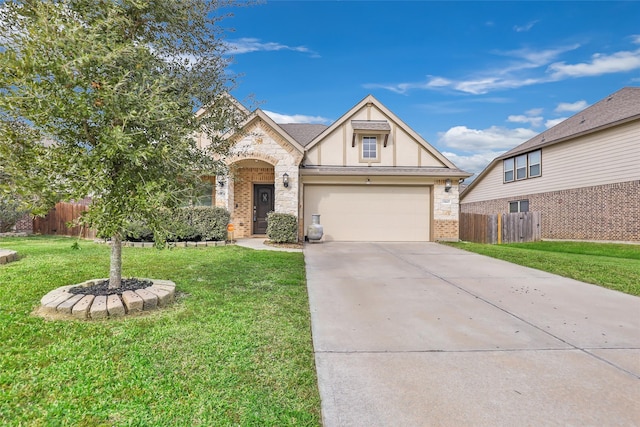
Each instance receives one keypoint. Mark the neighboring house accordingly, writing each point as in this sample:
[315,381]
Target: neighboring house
[582,174]
[368,175]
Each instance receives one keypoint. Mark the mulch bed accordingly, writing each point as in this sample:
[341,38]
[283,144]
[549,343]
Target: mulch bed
[102,288]
[283,245]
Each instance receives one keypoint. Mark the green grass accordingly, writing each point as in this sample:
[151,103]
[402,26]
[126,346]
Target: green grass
[614,266]
[235,350]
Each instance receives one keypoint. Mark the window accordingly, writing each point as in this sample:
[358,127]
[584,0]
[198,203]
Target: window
[205,194]
[508,170]
[534,164]
[523,166]
[519,206]
[369,148]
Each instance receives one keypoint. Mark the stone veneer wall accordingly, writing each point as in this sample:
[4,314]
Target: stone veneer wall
[445,212]
[603,212]
[264,144]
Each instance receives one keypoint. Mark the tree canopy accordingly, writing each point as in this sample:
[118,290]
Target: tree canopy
[97,98]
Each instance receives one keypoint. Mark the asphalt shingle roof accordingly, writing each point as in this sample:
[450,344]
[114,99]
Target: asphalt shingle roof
[303,133]
[618,107]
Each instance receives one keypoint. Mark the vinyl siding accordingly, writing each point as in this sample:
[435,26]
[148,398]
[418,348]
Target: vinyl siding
[600,158]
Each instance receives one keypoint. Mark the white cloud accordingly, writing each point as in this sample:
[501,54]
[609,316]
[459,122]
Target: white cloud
[552,122]
[571,107]
[526,27]
[296,118]
[525,67]
[618,62]
[473,163]
[490,139]
[248,45]
[402,88]
[534,121]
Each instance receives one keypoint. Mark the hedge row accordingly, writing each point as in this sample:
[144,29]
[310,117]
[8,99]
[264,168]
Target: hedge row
[197,223]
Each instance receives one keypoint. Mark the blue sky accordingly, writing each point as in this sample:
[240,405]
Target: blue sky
[473,78]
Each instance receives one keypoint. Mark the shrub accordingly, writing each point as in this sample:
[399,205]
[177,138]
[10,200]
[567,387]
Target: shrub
[282,228]
[10,213]
[194,223]
[208,223]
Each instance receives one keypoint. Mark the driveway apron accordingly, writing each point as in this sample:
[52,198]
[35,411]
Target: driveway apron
[422,334]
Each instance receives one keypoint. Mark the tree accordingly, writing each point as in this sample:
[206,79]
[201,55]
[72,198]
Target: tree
[97,98]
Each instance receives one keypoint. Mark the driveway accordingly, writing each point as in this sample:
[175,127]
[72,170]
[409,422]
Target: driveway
[421,334]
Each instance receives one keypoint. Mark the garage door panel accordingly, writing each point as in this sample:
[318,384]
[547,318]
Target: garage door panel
[369,212]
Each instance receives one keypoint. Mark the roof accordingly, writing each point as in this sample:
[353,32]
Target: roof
[303,133]
[617,108]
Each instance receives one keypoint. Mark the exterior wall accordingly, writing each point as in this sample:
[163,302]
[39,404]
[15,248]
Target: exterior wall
[602,212]
[401,150]
[242,212]
[264,145]
[445,212]
[600,158]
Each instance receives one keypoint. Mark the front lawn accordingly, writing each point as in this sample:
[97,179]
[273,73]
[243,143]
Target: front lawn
[234,350]
[614,266]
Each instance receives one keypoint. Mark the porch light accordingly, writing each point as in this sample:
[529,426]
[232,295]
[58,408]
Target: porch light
[447,185]
[285,180]
[221,182]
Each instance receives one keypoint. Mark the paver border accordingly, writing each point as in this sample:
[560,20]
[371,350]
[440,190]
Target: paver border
[62,304]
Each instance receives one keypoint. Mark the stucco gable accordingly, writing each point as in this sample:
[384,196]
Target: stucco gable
[354,116]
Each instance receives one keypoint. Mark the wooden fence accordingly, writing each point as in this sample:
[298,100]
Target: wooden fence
[500,228]
[55,222]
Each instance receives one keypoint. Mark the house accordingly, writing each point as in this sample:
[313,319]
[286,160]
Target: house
[583,175]
[369,176]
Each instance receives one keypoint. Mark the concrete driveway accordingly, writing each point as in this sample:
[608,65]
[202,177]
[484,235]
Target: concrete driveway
[421,334]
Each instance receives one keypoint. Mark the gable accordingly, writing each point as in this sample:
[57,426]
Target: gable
[260,137]
[369,122]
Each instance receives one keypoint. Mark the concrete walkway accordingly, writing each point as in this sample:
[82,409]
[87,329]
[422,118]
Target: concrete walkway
[421,334]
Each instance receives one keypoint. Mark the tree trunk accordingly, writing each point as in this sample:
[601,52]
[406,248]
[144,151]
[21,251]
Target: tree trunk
[115,268]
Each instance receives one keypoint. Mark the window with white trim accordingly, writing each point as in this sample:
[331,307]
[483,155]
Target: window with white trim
[534,164]
[508,169]
[521,167]
[369,148]
[519,206]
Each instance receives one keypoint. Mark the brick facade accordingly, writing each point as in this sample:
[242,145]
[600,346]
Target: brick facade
[243,197]
[604,212]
